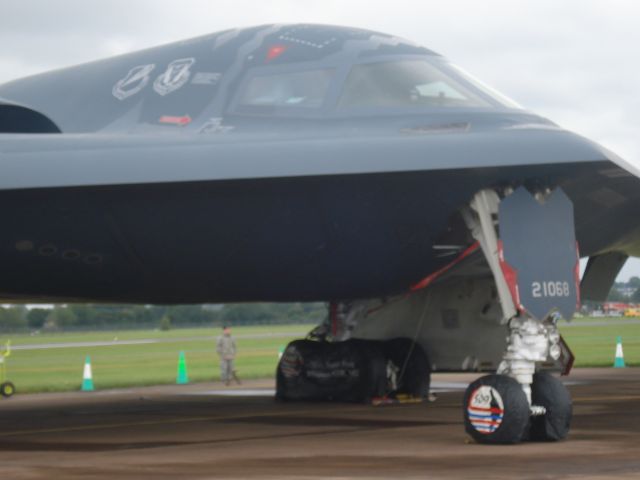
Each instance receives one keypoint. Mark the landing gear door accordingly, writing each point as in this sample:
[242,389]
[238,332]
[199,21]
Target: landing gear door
[538,253]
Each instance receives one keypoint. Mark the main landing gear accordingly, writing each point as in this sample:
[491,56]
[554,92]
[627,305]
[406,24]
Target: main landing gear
[533,262]
[331,365]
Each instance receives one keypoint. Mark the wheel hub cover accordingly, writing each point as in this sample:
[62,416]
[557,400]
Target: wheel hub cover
[485,409]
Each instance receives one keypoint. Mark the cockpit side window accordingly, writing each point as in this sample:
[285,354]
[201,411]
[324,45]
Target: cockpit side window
[405,83]
[305,89]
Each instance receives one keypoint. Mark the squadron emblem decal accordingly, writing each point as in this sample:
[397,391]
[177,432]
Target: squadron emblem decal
[485,409]
[133,82]
[174,77]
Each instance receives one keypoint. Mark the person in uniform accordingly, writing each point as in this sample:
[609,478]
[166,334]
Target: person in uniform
[226,349]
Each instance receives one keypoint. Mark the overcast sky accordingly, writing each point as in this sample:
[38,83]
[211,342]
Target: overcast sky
[573,61]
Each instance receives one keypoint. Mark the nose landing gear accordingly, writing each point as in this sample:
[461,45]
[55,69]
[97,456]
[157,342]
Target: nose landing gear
[534,263]
[519,403]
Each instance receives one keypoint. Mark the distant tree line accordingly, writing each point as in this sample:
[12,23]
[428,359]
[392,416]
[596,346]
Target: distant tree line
[15,318]
[625,291]
[105,317]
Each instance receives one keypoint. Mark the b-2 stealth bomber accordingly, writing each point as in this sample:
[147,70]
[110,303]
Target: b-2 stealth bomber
[315,163]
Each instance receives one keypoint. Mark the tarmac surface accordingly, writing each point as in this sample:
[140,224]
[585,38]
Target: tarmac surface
[209,431]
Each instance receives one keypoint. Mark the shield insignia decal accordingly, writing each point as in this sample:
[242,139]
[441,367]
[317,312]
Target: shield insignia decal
[174,77]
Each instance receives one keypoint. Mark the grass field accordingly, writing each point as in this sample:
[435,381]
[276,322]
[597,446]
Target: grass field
[594,345]
[119,365]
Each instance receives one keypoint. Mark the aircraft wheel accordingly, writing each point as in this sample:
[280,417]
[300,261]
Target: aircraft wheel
[280,396]
[496,410]
[410,356]
[550,393]
[7,389]
[349,371]
[290,381]
[372,381]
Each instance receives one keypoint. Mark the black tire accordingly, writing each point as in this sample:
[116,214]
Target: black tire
[415,380]
[372,372]
[496,410]
[349,371]
[280,386]
[7,389]
[290,381]
[550,393]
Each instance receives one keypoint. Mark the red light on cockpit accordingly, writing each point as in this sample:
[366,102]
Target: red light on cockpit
[275,52]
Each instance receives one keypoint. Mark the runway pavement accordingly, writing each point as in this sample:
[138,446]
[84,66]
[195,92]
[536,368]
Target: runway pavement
[194,432]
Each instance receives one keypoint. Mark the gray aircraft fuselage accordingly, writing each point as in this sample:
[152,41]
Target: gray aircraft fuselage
[275,163]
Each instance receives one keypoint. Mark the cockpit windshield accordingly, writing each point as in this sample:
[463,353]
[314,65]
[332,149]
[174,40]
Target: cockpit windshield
[406,83]
[290,89]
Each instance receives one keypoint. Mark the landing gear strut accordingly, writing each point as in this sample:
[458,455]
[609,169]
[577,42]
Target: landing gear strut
[533,262]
